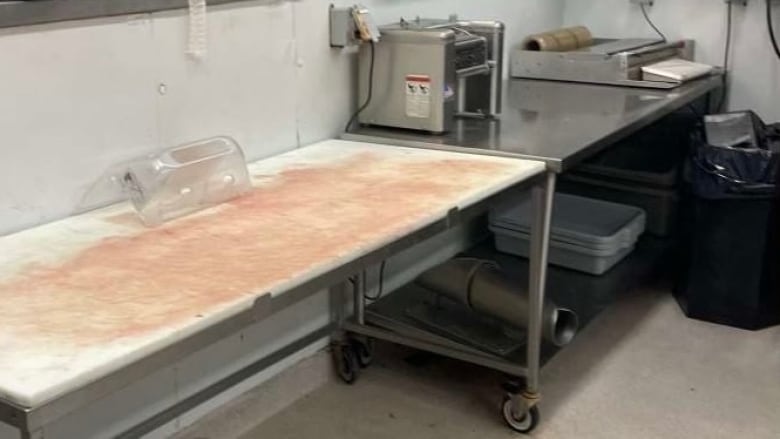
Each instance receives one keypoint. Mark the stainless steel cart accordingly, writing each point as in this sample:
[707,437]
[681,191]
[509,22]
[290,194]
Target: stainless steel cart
[354,349]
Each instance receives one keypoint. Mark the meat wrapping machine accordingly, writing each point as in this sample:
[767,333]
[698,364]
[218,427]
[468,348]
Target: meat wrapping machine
[605,61]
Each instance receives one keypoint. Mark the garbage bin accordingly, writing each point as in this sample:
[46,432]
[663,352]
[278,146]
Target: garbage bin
[731,264]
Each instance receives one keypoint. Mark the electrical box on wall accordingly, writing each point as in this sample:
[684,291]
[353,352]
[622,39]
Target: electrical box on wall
[342,27]
[351,25]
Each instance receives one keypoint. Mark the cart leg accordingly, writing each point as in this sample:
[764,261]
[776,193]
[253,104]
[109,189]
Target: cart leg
[338,305]
[709,101]
[346,357]
[359,298]
[25,433]
[540,237]
[363,346]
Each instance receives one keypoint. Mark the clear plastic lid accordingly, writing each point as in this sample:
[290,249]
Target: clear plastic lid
[176,181]
[186,178]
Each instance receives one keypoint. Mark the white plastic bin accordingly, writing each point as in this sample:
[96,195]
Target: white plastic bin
[587,235]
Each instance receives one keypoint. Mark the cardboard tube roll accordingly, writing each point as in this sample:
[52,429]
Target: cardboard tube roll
[481,286]
[541,43]
[584,37]
[567,40]
[560,40]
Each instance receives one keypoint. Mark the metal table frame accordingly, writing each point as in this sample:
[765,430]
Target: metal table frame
[32,421]
[542,208]
[542,203]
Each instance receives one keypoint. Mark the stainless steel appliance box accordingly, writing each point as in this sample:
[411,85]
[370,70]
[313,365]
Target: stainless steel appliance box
[413,80]
[427,71]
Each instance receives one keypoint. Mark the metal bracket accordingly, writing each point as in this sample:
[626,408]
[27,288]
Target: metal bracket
[453,217]
[263,306]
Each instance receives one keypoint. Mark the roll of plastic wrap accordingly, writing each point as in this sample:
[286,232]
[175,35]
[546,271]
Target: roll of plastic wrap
[560,40]
[567,40]
[197,44]
[540,43]
[584,37]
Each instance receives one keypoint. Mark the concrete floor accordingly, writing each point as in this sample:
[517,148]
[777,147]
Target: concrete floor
[641,370]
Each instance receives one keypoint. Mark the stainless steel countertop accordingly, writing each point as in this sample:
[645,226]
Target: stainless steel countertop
[560,123]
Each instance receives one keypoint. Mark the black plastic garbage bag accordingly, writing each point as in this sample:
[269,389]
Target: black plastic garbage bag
[743,169]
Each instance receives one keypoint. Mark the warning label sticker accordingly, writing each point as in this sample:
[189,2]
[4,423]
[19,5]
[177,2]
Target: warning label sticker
[418,96]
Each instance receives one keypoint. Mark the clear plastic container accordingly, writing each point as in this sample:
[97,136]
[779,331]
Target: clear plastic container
[185,179]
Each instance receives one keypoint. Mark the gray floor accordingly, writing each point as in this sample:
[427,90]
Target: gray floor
[641,370]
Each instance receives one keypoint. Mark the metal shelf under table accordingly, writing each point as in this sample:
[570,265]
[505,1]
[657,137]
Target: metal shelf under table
[392,318]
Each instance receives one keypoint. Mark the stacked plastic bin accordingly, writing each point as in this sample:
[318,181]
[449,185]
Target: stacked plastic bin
[586,235]
[644,170]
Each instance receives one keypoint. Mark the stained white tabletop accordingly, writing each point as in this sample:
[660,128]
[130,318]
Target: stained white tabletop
[87,295]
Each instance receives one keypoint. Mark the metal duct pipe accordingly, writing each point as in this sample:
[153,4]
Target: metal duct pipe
[481,286]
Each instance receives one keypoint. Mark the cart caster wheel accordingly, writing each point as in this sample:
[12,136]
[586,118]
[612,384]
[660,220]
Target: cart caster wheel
[524,425]
[347,365]
[364,351]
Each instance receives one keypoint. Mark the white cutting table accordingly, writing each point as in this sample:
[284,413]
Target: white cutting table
[87,301]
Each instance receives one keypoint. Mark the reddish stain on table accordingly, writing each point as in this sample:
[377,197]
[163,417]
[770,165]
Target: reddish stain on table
[160,278]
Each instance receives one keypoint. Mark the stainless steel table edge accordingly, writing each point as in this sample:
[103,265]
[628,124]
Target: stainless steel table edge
[713,83]
[552,164]
[675,100]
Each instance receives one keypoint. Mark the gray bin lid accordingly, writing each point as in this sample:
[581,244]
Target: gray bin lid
[580,221]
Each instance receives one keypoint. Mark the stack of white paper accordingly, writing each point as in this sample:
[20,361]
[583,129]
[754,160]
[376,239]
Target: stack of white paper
[675,70]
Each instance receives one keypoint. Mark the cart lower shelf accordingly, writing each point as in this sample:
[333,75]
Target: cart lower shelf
[415,317]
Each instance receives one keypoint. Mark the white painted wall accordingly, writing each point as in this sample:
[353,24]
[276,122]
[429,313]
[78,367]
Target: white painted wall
[78,97]
[755,79]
